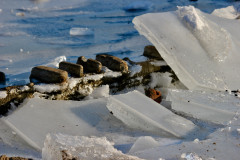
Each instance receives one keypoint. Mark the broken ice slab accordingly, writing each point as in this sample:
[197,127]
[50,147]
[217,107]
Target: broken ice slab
[215,107]
[202,49]
[36,117]
[138,111]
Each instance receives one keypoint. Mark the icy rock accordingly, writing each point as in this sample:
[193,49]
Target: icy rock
[48,74]
[75,70]
[138,6]
[113,63]
[151,52]
[93,66]
[207,58]
[154,94]
[82,61]
[134,69]
[2,77]
[58,146]
[90,65]
[81,32]
[138,111]
[143,143]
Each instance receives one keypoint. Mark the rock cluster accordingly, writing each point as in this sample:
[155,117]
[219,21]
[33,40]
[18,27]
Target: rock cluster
[73,69]
[151,52]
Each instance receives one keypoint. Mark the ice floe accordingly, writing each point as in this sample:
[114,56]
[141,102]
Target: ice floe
[81,32]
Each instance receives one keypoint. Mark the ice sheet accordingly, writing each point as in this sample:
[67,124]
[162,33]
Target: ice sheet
[202,49]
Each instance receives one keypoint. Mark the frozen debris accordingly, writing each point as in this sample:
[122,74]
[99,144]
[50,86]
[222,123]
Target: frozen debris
[143,143]
[100,92]
[151,52]
[134,69]
[215,107]
[138,6]
[24,88]
[81,32]
[160,80]
[211,61]
[3,94]
[48,88]
[48,74]
[113,63]
[229,12]
[61,146]
[4,157]
[143,113]
[75,70]
[94,77]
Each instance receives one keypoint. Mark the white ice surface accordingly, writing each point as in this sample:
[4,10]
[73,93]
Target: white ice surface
[138,111]
[160,80]
[80,147]
[212,60]
[213,107]
[47,88]
[100,92]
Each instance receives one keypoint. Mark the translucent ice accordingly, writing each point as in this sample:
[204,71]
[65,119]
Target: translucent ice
[202,49]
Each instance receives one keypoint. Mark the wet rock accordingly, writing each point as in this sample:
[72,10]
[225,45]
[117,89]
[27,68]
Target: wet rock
[154,94]
[48,74]
[4,157]
[76,70]
[2,77]
[151,52]
[113,63]
[82,61]
[93,66]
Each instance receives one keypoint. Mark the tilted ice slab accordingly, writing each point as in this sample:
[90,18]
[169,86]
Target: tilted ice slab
[138,111]
[202,49]
[215,107]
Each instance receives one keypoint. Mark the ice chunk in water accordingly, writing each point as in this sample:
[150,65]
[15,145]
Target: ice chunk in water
[81,32]
[202,49]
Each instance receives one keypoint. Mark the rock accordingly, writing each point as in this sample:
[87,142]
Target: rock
[82,61]
[48,74]
[151,52]
[2,77]
[93,66]
[76,70]
[154,94]
[113,63]
[90,65]
[4,157]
